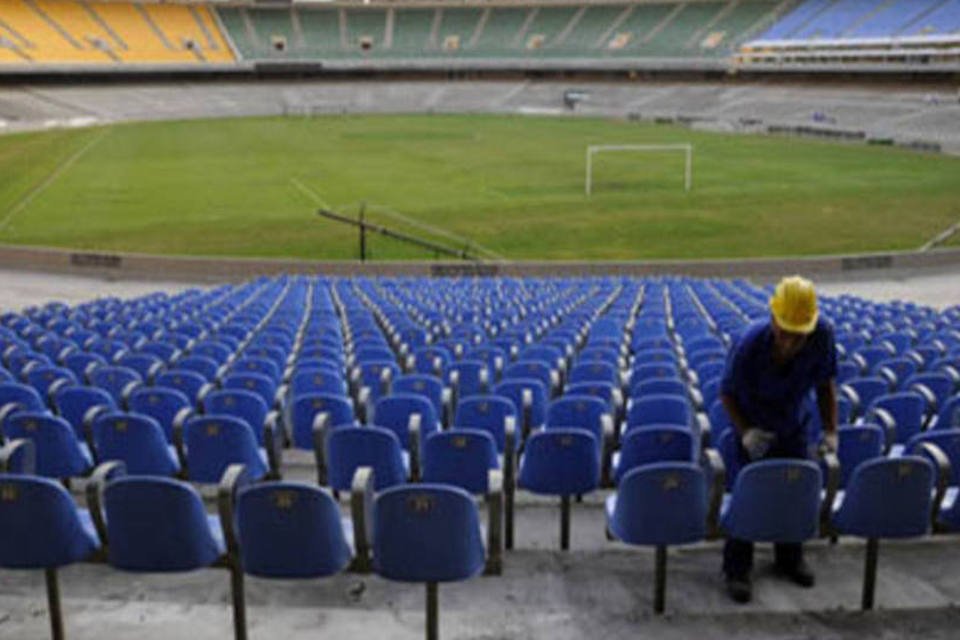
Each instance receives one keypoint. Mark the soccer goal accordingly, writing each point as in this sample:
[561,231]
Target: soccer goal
[686,149]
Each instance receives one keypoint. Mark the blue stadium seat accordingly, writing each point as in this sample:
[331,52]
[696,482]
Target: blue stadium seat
[136,440]
[43,530]
[59,454]
[159,525]
[659,505]
[564,462]
[215,442]
[885,498]
[529,397]
[461,457]
[349,448]
[118,381]
[651,445]
[291,530]
[169,407]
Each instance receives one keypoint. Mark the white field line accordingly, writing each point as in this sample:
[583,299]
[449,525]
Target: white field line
[423,226]
[49,180]
[310,193]
[941,237]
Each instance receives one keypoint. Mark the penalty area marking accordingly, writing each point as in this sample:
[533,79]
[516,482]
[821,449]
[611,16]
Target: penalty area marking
[58,171]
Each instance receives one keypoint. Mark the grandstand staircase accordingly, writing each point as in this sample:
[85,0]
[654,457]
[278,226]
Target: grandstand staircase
[389,22]
[923,16]
[249,28]
[157,31]
[520,38]
[433,40]
[698,35]
[211,41]
[866,16]
[56,26]
[664,23]
[769,18]
[299,41]
[481,24]
[814,16]
[619,20]
[105,26]
[568,29]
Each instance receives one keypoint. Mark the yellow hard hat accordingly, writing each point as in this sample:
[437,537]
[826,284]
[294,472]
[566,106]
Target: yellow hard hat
[794,305]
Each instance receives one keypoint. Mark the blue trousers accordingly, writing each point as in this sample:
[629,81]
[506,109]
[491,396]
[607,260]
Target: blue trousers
[738,554]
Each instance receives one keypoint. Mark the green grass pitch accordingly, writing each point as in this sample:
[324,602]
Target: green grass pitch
[510,184]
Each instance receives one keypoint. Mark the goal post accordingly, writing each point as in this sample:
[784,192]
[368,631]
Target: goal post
[685,148]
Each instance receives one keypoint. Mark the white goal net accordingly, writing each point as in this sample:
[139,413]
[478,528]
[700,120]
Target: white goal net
[685,148]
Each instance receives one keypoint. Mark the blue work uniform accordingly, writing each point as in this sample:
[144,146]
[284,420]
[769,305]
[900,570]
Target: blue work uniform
[771,397]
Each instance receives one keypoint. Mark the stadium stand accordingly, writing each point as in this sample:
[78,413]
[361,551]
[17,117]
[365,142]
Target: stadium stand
[68,32]
[861,30]
[663,340]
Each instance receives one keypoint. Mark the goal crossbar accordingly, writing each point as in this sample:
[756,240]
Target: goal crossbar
[686,148]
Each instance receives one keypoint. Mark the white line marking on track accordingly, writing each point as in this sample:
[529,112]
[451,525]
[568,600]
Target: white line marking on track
[49,180]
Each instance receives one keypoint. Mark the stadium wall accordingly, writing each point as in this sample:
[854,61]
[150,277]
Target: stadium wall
[199,269]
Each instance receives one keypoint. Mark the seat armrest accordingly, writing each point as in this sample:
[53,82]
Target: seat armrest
[280,397]
[361,512]
[22,449]
[606,450]
[415,431]
[127,391]
[832,463]
[57,385]
[273,442]
[527,411]
[233,478]
[716,477]
[889,425]
[851,395]
[386,379]
[509,477]
[944,472]
[494,522]
[447,402]
[363,404]
[89,417]
[454,389]
[179,426]
[94,493]
[321,424]
[153,372]
[205,390]
[8,410]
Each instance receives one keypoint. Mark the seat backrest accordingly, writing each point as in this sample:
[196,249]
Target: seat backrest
[949,415]
[137,440]
[393,412]
[460,457]
[560,461]
[157,524]
[487,413]
[161,404]
[906,408]
[671,386]
[659,409]
[428,386]
[661,504]
[188,382]
[22,394]
[41,525]
[775,501]
[596,371]
[114,380]
[290,530]
[654,444]
[59,454]
[73,403]
[513,391]
[42,378]
[305,409]
[349,448]
[427,533]
[857,444]
[473,377]
[948,441]
[239,403]
[582,412]
[203,365]
[653,370]
[255,364]
[257,383]
[887,498]
[80,362]
[216,441]
[306,381]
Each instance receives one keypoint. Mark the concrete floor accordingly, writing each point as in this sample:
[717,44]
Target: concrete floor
[600,589]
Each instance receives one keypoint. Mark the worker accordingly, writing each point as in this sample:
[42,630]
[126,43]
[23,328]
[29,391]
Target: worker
[768,375]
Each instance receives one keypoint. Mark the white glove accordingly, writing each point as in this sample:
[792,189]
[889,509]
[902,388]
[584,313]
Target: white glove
[756,442]
[831,442]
